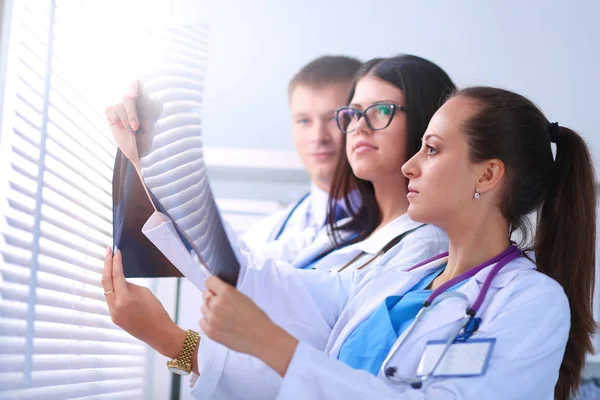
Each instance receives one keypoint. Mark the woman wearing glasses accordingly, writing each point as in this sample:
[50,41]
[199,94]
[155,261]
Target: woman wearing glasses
[391,103]
[482,322]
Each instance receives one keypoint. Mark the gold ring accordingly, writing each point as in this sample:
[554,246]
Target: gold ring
[109,292]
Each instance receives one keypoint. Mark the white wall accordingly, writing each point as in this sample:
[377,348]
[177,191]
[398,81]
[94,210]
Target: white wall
[547,50]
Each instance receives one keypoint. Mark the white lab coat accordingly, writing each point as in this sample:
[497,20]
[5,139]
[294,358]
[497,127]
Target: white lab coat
[306,220]
[526,311]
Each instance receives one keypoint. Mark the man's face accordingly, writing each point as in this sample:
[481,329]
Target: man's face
[316,136]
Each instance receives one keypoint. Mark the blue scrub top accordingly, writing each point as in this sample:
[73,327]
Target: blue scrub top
[369,344]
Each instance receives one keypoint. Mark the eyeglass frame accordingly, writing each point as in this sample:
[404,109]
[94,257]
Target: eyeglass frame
[363,113]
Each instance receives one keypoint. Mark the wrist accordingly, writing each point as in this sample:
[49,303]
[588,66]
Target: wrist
[170,341]
[277,349]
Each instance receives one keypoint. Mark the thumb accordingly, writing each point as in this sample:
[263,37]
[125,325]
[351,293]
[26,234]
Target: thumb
[121,285]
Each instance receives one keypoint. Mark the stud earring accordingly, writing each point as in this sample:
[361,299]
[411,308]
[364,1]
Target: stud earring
[477,195]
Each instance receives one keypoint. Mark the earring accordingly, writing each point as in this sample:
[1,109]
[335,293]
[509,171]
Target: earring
[477,195]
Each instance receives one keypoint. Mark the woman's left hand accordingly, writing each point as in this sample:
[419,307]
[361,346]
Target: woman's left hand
[234,320]
[137,311]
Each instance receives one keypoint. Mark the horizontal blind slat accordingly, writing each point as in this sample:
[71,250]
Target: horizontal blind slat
[79,181]
[15,380]
[31,58]
[20,275]
[59,252]
[75,228]
[66,88]
[51,362]
[82,390]
[47,297]
[74,243]
[53,330]
[16,345]
[96,225]
[55,130]
[60,193]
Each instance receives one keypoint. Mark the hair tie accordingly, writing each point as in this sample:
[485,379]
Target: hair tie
[553,129]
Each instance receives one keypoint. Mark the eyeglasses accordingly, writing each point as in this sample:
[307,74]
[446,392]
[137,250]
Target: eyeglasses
[377,116]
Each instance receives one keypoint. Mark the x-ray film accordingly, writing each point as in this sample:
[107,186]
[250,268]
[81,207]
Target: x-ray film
[169,143]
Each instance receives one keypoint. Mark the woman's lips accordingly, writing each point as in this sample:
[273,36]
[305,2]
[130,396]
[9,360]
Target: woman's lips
[364,146]
[411,192]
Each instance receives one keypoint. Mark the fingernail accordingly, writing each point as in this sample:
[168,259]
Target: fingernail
[134,125]
[108,249]
[133,92]
[115,250]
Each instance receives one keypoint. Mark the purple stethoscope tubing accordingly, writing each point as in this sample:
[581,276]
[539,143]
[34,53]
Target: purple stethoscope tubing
[511,253]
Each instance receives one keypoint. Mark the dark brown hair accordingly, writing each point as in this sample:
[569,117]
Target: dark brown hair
[326,70]
[510,128]
[425,86]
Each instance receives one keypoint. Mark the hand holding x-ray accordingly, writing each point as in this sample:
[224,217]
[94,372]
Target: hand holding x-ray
[166,151]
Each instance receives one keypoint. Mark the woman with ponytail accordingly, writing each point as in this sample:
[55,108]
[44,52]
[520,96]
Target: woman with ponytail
[510,128]
[488,320]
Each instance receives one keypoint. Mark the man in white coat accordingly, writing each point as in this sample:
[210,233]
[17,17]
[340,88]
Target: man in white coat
[315,92]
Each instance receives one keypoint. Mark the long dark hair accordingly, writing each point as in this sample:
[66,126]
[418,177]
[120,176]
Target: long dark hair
[425,87]
[511,128]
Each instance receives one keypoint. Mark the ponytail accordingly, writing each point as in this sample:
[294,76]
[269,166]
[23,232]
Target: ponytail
[565,244]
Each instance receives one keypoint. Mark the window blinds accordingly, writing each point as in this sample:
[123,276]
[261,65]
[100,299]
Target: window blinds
[56,337]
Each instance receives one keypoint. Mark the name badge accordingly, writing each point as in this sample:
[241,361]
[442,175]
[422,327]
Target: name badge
[463,359]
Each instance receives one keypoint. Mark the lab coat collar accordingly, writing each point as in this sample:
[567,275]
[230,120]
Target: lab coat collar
[379,239]
[506,274]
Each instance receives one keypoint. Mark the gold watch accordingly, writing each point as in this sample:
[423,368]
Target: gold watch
[182,365]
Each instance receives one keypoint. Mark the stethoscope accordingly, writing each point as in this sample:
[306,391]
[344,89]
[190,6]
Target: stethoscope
[287,218]
[468,324]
